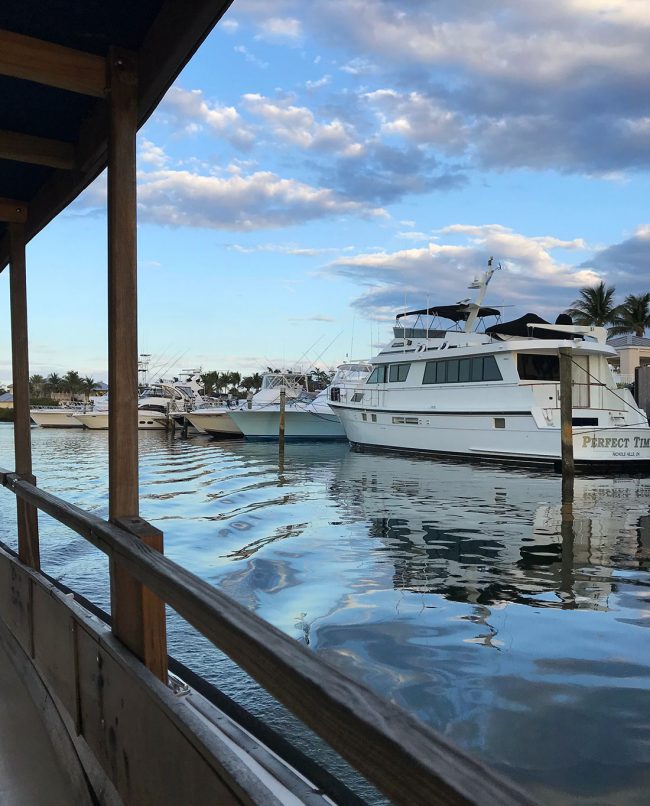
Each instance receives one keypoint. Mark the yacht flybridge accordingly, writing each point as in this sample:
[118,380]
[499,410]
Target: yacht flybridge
[495,394]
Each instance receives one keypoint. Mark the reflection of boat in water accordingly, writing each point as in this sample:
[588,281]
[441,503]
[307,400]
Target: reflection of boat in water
[479,535]
[307,418]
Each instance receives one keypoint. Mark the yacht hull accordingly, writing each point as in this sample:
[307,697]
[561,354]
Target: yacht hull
[474,436]
[298,425]
[55,419]
[215,423]
[146,422]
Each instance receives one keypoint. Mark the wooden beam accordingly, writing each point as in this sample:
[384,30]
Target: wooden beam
[122,287]
[13,211]
[140,625]
[173,38]
[36,150]
[28,548]
[50,64]
[138,616]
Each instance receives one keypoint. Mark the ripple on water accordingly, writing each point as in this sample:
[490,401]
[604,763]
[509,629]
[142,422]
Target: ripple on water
[456,591]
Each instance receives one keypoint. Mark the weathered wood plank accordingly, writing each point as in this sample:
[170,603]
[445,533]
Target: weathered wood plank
[54,65]
[36,150]
[13,210]
[411,763]
[142,625]
[54,646]
[27,517]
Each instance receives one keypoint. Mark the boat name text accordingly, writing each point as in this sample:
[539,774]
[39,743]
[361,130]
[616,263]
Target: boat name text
[615,442]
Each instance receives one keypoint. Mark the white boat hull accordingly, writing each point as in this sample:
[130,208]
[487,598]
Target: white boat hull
[216,423]
[55,418]
[298,425]
[146,421]
[474,436]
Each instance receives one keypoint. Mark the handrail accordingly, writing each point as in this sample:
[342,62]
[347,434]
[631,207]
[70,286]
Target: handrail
[408,761]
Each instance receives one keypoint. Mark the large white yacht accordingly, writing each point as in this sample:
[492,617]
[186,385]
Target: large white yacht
[217,420]
[494,394]
[305,418]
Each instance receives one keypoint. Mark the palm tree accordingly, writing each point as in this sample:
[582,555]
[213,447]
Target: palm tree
[210,381]
[36,384]
[256,380]
[72,382]
[633,316]
[594,306]
[87,386]
[53,383]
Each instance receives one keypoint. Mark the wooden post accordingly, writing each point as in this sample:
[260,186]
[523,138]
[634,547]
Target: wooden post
[283,402]
[566,420]
[28,547]
[137,624]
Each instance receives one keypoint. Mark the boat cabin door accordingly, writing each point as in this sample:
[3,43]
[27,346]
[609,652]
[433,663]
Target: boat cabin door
[581,382]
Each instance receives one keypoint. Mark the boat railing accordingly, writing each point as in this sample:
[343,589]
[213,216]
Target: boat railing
[408,761]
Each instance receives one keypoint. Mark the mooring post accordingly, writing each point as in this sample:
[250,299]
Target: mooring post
[283,402]
[566,421]
[138,619]
[28,545]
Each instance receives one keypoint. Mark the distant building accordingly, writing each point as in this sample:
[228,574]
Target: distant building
[633,351]
[100,389]
[6,401]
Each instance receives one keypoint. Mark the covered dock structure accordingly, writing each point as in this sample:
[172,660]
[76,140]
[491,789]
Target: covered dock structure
[89,711]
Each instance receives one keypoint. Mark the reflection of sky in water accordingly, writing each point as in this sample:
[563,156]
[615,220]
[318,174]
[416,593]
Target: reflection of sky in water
[456,591]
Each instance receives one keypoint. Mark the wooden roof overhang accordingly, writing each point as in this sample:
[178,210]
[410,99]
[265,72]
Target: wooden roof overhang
[53,99]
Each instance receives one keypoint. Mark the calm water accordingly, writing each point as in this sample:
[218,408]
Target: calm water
[453,590]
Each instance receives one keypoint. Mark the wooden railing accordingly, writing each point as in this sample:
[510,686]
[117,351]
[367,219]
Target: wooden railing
[409,762]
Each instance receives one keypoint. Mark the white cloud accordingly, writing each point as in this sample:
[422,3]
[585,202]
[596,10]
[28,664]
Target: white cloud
[230,26]
[532,278]
[318,83]
[415,117]
[251,57]
[190,111]
[151,154]
[285,249]
[297,126]
[317,317]
[258,201]
[280,29]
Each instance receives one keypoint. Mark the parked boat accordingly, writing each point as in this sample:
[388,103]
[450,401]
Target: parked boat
[493,394]
[64,416]
[304,418]
[156,403]
[217,420]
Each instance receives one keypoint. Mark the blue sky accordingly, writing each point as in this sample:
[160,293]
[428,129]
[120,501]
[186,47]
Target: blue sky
[317,166]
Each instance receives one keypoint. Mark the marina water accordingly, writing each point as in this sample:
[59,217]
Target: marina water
[459,592]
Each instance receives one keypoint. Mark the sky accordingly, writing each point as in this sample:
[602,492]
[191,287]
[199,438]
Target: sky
[319,167]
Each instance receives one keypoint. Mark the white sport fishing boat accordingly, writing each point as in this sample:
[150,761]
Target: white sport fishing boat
[63,416]
[217,420]
[493,394]
[304,418]
[156,403]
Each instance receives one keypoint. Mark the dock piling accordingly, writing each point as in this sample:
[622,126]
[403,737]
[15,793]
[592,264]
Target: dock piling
[566,421]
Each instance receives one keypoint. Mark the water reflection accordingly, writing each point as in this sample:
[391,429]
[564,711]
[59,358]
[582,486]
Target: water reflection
[469,595]
[480,535]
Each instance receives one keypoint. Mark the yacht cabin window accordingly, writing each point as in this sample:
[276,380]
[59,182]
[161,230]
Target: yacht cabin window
[464,370]
[398,372]
[536,367]
[395,373]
